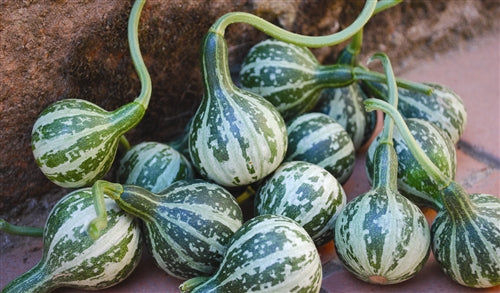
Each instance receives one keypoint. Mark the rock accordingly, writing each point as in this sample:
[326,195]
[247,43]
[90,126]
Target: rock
[78,49]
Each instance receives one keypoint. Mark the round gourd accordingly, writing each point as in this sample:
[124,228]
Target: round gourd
[71,258]
[154,166]
[306,193]
[269,253]
[317,138]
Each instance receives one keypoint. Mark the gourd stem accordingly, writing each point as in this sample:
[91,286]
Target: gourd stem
[433,171]
[363,74]
[99,189]
[388,130]
[191,284]
[20,230]
[385,4]
[297,39]
[245,195]
[135,52]
[124,142]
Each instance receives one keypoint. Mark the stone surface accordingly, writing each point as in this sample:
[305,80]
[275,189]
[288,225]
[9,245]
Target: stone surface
[66,49]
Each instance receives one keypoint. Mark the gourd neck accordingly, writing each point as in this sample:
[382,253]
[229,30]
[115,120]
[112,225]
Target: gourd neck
[33,281]
[334,75]
[127,117]
[138,201]
[297,39]
[457,202]
[215,65]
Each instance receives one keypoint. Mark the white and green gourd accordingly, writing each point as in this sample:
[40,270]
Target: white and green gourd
[317,138]
[413,180]
[345,105]
[187,226]
[381,236]
[153,166]
[237,137]
[291,78]
[442,107]
[71,258]
[269,253]
[306,193]
[466,231]
[74,141]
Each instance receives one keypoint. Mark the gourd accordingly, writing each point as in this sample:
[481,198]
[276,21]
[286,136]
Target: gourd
[442,107]
[465,232]
[153,166]
[269,253]
[70,258]
[291,78]
[237,137]
[345,105]
[381,236]
[307,194]
[74,142]
[187,225]
[413,180]
[317,138]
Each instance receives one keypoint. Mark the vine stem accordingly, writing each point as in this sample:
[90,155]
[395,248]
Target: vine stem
[99,189]
[388,130]
[135,52]
[297,39]
[433,171]
[20,230]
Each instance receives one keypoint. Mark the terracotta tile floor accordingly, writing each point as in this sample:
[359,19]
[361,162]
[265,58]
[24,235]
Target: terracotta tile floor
[473,72]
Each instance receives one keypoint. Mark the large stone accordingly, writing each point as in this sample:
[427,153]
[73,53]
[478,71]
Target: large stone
[51,50]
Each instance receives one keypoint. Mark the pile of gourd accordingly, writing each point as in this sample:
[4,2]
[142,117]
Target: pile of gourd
[286,139]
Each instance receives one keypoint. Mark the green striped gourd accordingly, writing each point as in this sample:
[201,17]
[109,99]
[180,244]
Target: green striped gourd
[466,231]
[318,139]
[381,236]
[71,258]
[289,76]
[306,193]
[236,137]
[413,181]
[443,107]
[466,238]
[153,166]
[187,225]
[269,253]
[345,105]
[74,141]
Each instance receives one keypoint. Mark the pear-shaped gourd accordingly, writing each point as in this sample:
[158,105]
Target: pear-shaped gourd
[317,138]
[413,180]
[442,107]
[187,226]
[74,141]
[71,258]
[153,166]
[466,231]
[236,137]
[269,253]
[345,105]
[306,193]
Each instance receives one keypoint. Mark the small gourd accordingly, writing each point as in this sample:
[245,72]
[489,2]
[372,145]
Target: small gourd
[269,253]
[466,231]
[291,78]
[442,107]
[153,166]
[318,139]
[381,236]
[71,258]
[307,194]
[187,225]
[413,181]
[345,105]
[74,142]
